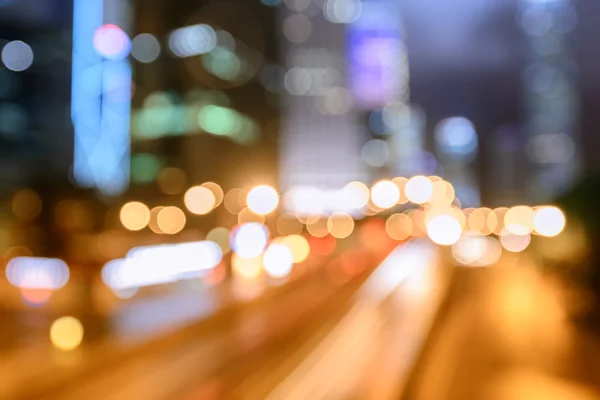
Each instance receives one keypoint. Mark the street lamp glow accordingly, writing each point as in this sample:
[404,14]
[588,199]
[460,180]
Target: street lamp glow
[278,260]
[385,194]
[262,200]
[419,189]
[514,243]
[444,230]
[135,216]
[356,194]
[199,200]
[299,247]
[549,221]
[249,240]
[66,333]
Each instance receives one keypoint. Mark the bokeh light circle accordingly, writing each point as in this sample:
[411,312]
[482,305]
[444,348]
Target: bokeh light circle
[199,200]
[17,55]
[385,194]
[340,225]
[171,220]
[217,191]
[66,333]
[26,204]
[249,240]
[519,220]
[278,260]
[134,215]
[419,189]
[444,230]
[549,221]
[514,243]
[112,42]
[262,199]
[355,195]
[399,226]
[145,48]
[299,247]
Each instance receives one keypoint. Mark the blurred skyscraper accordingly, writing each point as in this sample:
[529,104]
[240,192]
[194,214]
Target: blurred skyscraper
[346,115]
[198,112]
[321,138]
[35,132]
[552,96]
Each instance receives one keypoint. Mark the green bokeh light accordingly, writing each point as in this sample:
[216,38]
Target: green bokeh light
[144,167]
[218,120]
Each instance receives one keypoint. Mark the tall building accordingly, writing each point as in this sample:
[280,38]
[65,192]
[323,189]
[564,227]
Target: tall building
[320,134]
[551,92]
[198,105]
[346,80]
[35,132]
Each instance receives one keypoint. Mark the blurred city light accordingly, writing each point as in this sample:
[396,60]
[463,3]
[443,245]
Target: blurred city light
[519,220]
[199,200]
[234,200]
[317,225]
[249,240]
[417,216]
[477,220]
[112,42]
[26,204]
[340,225]
[399,226]
[299,247]
[134,215]
[375,153]
[551,148]
[144,167]
[401,181]
[356,195]
[495,220]
[171,220]
[342,11]
[37,273]
[385,194]
[248,268]
[66,333]
[171,180]
[443,194]
[456,137]
[549,221]
[145,48]
[153,222]
[192,40]
[444,230]
[297,28]
[17,56]
[217,191]
[476,250]
[419,189]
[278,260]
[514,243]
[262,199]
[160,264]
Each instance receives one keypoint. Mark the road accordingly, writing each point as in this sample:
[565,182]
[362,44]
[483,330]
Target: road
[317,338]
[506,334]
